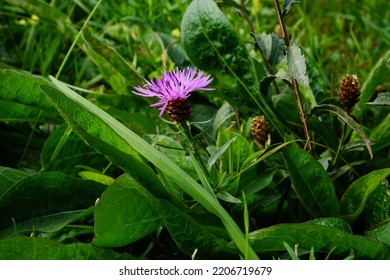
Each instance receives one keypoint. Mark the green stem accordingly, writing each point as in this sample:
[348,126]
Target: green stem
[341,143]
[77,38]
[294,81]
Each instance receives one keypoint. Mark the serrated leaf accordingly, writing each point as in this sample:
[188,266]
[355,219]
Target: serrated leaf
[125,212]
[321,238]
[346,119]
[297,65]
[311,183]
[355,197]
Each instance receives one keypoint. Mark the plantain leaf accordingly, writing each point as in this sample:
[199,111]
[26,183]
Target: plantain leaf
[311,182]
[319,237]
[355,197]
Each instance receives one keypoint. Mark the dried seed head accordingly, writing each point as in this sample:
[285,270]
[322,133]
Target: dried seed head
[349,90]
[179,109]
[259,130]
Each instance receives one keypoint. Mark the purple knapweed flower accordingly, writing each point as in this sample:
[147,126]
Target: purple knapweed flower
[173,89]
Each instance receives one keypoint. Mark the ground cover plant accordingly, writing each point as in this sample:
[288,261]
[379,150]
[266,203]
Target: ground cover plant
[194,129]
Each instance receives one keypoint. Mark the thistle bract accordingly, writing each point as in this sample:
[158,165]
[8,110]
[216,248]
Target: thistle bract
[173,89]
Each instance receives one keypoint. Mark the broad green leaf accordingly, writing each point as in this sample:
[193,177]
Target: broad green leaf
[322,238]
[212,45]
[383,99]
[271,47]
[381,233]
[44,194]
[68,102]
[125,212]
[22,87]
[380,135]
[355,197]
[9,177]
[111,64]
[333,222]
[32,248]
[311,183]
[190,235]
[346,119]
[297,65]
[377,208]
[377,76]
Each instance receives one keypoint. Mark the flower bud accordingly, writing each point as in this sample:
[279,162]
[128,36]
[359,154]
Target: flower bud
[349,91]
[259,130]
[179,109]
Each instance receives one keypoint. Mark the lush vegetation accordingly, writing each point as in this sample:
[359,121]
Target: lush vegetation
[286,158]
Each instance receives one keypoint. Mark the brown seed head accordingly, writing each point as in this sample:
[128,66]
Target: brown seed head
[259,130]
[179,109]
[349,90]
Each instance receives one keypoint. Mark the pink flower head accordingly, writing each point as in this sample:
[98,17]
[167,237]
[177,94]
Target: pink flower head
[173,85]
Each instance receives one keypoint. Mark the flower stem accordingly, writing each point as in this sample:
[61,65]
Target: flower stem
[294,81]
